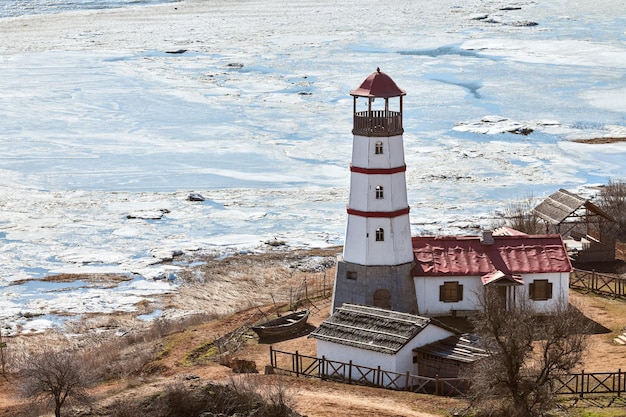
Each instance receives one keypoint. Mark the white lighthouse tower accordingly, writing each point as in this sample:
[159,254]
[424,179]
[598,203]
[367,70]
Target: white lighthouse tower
[377,260]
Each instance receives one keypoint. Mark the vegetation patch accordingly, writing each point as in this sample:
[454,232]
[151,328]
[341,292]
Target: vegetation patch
[598,141]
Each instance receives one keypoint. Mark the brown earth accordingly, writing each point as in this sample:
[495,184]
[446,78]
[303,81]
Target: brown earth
[267,284]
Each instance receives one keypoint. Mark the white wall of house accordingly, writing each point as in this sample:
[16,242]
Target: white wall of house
[427,292]
[401,362]
[560,289]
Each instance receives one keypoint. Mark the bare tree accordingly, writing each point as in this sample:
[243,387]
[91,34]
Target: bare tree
[519,215]
[528,352]
[57,376]
[612,200]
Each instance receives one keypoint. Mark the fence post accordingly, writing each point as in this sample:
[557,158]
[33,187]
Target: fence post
[322,365]
[406,381]
[272,357]
[297,364]
[436,384]
[619,382]
[350,371]
[582,383]
[378,383]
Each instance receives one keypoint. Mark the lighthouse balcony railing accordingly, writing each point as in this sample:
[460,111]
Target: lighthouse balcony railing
[378,123]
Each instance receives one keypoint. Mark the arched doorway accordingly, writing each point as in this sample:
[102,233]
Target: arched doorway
[382,299]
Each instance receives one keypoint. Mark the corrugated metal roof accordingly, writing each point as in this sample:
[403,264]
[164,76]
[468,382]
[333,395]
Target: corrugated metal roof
[464,348]
[370,328]
[467,255]
[378,84]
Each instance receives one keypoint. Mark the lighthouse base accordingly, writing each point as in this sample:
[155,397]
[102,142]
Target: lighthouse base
[384,286]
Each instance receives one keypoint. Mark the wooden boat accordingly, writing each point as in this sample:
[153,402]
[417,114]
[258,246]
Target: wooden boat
[284,326]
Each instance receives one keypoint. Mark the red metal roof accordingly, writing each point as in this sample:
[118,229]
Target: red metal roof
[378,84]
[467,255]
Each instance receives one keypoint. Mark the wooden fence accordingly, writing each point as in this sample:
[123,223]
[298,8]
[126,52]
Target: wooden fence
[578,384]
[350,373]
[598,283]
[581,384]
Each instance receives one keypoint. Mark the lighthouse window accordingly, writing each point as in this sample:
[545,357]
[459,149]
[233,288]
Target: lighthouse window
[379,148]
[380,234]
[379,192]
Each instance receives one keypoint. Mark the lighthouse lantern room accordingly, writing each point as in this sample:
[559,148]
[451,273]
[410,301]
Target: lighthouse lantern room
[375,268]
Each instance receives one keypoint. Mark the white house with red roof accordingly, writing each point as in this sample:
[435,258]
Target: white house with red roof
[450,271]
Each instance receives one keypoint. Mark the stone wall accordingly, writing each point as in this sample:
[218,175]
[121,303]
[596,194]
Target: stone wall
[381,286]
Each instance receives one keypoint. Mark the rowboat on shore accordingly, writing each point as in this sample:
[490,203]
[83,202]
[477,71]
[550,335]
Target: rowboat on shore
[289,325]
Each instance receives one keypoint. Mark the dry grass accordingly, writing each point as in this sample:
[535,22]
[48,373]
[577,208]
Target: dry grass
[597,141]
[143,360]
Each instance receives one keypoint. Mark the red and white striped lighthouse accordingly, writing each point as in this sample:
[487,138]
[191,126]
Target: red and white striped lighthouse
[378,254]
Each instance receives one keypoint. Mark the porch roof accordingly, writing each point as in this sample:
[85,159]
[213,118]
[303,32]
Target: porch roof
[463,348]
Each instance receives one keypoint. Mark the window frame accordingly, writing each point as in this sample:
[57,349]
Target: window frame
[378,148]
[450,292]
[380,234]
[540,290]
[380,192]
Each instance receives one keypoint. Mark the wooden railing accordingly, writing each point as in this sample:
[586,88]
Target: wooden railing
[350,373]
[378,123]
[577,384]
[598,283]
[581,384]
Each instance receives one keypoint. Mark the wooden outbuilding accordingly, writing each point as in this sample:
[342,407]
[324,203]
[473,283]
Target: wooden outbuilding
[577,218]
[375,337]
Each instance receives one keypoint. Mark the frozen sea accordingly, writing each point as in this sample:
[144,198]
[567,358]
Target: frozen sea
[13,8]
[110,117]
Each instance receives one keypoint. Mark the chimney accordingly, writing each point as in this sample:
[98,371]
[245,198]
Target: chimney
[487,237]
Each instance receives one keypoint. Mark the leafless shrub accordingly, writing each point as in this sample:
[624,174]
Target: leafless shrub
[528,353]
[519,215]
[279,397]
[612,200]
[3,354]
[125,408]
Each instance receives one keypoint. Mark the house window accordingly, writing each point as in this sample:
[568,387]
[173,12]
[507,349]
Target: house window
[540,289]
[380,234]
[351,274]
[450,292]
[379,192]
[378,148]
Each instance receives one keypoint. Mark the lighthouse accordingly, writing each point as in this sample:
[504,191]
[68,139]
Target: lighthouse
[376,264]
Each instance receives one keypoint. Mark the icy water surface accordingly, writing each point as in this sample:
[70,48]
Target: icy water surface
[12,8]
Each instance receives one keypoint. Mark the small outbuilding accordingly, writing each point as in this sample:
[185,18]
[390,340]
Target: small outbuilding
[576,218]
[373,337]
[447,358]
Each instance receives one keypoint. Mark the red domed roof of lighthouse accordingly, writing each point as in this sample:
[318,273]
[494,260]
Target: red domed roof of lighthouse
[378,84]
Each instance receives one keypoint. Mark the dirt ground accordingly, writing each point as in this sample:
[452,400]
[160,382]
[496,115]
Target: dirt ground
[266,283]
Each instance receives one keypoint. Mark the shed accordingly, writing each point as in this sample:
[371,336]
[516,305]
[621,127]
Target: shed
[571,215]
[373,337]
[447,358]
